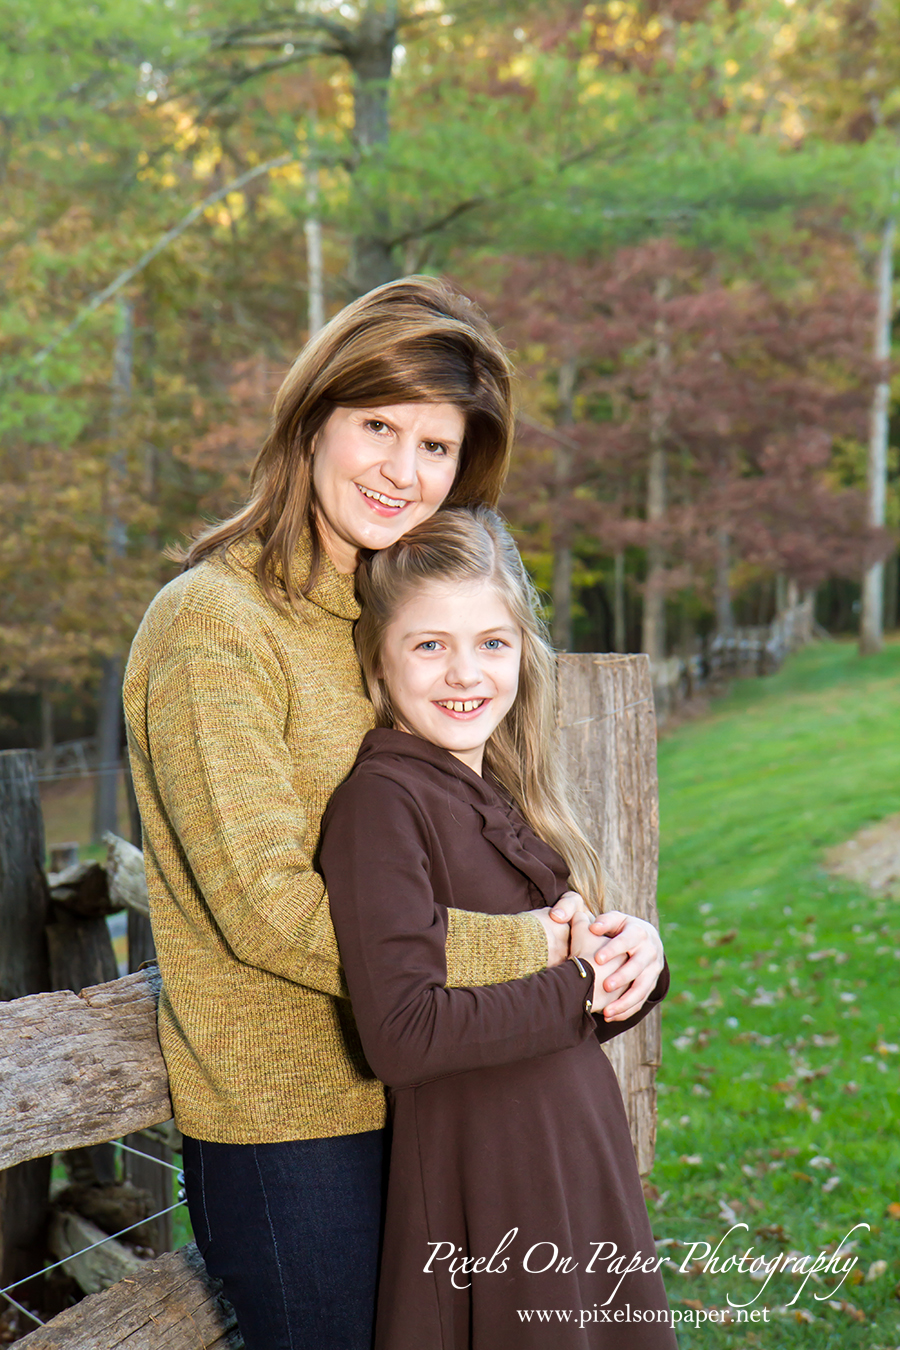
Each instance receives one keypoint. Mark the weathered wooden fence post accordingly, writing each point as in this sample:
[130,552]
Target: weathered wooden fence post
[24,969]
[607,728]
[150,1172]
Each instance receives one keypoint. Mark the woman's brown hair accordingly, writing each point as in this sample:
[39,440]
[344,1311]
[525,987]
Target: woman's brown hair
[415,340]
[522,754]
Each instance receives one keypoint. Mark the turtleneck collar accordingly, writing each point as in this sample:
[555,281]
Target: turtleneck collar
[333,592]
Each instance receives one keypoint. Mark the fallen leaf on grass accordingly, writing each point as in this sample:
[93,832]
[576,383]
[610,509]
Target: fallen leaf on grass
[799,1314]
[855,1314]
[893,1210]
[875,1271]
[772,1230]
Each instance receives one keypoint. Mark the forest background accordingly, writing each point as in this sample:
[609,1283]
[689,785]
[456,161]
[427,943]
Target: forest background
[681,216]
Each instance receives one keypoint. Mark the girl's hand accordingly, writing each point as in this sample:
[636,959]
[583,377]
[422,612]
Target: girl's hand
[587,947]
[631,981]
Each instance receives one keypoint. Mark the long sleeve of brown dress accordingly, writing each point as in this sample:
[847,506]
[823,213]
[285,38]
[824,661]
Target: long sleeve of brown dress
[506,1114]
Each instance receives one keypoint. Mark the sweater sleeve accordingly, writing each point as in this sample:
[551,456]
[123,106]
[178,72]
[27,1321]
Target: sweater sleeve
[392,934]
[222,772]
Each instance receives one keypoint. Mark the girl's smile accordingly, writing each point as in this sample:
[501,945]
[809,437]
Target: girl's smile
[450,663]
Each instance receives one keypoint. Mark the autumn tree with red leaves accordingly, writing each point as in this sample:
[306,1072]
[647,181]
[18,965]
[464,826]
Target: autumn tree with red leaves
[701,421]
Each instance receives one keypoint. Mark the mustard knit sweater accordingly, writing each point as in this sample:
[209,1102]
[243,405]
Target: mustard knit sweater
[242,720]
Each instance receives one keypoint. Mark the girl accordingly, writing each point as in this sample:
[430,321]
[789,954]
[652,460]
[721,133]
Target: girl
[511,1167]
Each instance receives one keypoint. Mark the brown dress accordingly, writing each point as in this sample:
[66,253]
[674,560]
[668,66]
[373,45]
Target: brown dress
[513,1186]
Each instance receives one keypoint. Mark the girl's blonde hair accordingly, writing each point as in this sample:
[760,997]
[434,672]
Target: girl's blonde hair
[475,545]
[415,340]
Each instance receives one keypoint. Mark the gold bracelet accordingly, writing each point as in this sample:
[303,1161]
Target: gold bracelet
[588,1002]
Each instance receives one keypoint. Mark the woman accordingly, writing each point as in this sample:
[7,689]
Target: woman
[245,709]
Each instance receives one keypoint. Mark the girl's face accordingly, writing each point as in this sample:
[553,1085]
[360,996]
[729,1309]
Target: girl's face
[378,471]
[450,662]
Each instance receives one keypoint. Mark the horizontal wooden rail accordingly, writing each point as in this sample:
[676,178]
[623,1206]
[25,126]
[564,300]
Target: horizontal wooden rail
[172,1305]
[78,1069]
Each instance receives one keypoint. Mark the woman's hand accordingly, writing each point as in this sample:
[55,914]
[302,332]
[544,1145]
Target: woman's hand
[630,981]
[557,927]
[556,922]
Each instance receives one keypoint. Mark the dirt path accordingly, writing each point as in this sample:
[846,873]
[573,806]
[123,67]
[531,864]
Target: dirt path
[871,857]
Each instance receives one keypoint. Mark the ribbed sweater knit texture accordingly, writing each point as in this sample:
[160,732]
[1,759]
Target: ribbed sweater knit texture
[242,719]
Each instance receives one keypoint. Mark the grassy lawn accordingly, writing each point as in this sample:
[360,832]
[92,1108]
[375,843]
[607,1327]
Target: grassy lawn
[779,1087]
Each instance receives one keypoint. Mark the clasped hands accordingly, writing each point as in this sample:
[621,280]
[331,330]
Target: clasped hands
[625,953]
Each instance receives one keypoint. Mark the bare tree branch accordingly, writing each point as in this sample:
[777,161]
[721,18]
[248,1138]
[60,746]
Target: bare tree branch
[551,432]
[130,272]
[290,21]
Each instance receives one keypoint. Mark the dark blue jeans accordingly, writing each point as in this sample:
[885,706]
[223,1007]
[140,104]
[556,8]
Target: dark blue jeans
[293,1231]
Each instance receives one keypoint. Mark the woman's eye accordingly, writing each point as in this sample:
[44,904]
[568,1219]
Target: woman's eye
[495,644]
[435,447]
[374,425]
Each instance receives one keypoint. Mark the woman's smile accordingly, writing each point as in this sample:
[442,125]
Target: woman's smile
[381,504]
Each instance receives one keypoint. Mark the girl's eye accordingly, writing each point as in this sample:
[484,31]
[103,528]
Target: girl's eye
[430,646]
[495,644]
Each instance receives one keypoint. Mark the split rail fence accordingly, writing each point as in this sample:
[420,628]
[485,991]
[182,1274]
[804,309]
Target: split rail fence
[80,1069]
[738,654]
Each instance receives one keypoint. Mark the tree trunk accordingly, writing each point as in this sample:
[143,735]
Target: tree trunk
[724,611]
[109,739]
[619,640]
[24,970]
[891,588]
[371,56]
[561,630]
[312,229]
[109,712]
[871,629]
[653,638]
[47,737]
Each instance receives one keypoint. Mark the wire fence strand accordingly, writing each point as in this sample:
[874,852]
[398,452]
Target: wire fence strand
[110,1237]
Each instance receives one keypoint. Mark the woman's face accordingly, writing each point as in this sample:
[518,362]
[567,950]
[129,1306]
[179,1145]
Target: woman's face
[378,471]
[450,662]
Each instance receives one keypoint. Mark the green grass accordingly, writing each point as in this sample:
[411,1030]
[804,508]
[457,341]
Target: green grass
[772,1059]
